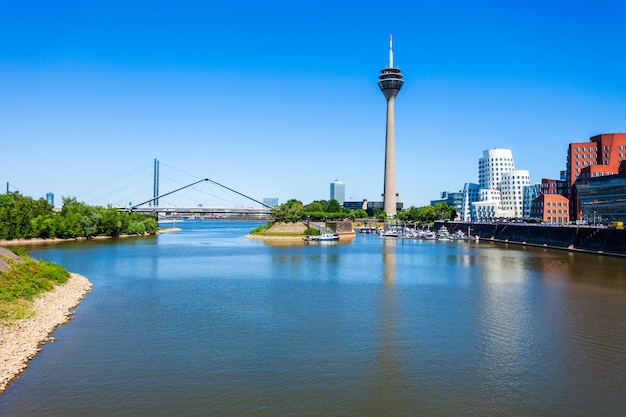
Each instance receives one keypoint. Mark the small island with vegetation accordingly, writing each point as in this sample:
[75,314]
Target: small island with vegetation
[291,218]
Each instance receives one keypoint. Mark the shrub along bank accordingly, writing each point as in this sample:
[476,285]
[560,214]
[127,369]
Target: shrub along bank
[21,280]
[25,218]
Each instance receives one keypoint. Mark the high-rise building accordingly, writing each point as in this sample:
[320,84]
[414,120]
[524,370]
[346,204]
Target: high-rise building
[50,198]
[338,191]
[390,83]
[271,201]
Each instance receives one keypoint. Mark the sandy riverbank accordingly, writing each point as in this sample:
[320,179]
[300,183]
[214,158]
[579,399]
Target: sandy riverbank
[38,241]
[285,232]
[21,341]
[277,238]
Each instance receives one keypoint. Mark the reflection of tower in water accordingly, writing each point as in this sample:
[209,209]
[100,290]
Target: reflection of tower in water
[387,368]
[389,260]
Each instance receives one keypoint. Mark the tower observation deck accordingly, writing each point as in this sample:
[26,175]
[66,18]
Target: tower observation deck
[390,82]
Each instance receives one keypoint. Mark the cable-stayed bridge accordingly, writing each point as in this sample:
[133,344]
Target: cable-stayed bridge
[173,192]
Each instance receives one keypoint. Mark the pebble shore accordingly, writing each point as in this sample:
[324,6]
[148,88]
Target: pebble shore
[21,341]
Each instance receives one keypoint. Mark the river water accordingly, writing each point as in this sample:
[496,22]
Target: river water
[205,322]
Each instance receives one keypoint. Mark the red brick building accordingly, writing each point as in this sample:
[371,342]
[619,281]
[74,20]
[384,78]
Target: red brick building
[598,157]
[551,208]
[550,186]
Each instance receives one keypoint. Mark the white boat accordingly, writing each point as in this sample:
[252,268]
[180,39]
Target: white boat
[412,234]
[389,233]
[459,235]
[429,235]
[443,233]
[324,237]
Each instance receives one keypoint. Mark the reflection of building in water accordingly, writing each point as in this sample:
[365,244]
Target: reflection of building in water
[389,260]
[505,316]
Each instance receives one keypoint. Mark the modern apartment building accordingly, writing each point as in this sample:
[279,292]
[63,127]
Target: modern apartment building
[470,195]
[530,194]
[602,198]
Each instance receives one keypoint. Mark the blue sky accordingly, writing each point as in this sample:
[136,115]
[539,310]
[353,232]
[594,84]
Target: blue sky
[277,99]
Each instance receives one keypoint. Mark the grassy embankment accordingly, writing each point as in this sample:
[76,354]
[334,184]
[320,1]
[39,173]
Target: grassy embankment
[269,230]
[23,282]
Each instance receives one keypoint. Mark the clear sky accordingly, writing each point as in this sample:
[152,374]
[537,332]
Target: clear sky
[278,99]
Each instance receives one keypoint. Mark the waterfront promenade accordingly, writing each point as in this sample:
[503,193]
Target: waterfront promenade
[597,240]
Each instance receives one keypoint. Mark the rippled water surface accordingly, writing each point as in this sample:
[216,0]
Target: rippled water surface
[205,322]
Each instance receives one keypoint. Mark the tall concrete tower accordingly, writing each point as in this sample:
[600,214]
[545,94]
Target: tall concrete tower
[390,83]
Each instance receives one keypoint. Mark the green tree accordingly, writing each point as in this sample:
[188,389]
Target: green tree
[360,214]
[8,212]
[334,206]
[79,219]
[111,222]
[315,206]
[17,213]
[289,212]
[44,226]
[136,227]
[443,211]
[151,224]
[24,217]
[428,214]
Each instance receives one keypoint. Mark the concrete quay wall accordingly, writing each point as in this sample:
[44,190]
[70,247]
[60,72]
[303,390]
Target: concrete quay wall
[581,238]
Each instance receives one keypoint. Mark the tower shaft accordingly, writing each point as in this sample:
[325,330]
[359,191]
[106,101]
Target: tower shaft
[390,83]
[389,193]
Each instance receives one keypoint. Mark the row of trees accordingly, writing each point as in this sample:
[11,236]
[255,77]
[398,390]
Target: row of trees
[293,211]
[25,218]
[427,214]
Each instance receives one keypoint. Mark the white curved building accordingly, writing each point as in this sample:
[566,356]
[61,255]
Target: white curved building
[512,186]
[501,186]
[489,206]
[491,167]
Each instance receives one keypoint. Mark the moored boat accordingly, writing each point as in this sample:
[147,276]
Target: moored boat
[324,237]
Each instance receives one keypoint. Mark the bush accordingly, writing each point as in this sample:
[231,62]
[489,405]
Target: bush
[23,282]
[262,228]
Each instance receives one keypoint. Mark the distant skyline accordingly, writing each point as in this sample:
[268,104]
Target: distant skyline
[277,99]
